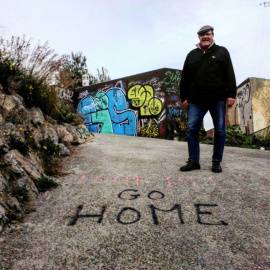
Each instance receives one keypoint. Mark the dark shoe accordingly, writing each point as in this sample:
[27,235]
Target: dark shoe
[191,165]
[216,167]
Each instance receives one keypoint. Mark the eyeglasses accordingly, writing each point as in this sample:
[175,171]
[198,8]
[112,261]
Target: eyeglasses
[206,34]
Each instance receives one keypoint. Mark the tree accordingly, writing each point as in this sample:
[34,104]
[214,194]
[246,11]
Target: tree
[73,67]
[103,75]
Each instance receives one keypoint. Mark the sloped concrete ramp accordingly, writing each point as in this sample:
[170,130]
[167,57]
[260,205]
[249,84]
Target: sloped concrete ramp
[124,204]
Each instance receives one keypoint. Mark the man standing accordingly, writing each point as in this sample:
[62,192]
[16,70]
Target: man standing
[207,84]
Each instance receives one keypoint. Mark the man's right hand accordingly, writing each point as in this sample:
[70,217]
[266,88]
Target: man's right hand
[185,103]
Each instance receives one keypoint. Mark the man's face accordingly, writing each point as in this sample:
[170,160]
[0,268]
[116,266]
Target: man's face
[206,38]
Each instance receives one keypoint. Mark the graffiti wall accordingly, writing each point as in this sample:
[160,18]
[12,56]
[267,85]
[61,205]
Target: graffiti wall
[260,96]
[243,107]
[146,104]
[252,105]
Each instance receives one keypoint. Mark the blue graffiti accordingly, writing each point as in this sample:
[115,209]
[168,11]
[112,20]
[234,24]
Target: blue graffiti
[174,113]
[108,112]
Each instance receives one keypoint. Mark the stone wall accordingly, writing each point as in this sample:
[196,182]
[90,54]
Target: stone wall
[21,163]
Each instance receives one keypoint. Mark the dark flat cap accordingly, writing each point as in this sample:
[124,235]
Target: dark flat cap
[205,29]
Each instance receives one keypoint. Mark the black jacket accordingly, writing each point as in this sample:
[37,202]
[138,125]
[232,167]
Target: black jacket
[208,77]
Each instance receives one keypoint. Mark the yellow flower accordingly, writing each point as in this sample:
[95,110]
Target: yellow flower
[21,129]
[31,87]
[31,136]
[45,147]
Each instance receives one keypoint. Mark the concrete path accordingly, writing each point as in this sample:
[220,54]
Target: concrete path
[124,204]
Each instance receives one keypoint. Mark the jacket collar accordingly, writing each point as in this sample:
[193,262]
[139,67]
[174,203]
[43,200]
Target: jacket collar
[199,47]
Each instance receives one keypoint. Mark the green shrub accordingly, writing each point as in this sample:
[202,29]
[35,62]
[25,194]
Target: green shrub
[235,137]
[43,184]
[182,132]
[8,69]
[49,148]
[49,154]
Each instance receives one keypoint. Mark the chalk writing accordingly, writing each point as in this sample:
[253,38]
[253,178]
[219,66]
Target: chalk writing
[142,181]
[199,212]
[130,215]
[123,196]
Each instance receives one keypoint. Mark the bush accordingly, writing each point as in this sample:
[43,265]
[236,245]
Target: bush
[49,148]
[235,137]
[8,69]
[49,153]
[182,132]
[44,184]
[34,71]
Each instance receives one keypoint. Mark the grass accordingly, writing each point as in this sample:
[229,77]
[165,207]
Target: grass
[44,184]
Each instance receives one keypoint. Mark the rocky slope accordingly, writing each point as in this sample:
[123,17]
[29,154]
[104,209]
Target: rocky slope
[23,157]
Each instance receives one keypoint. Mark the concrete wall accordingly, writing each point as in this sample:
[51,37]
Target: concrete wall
[146,104]
[251,109]
[260,97]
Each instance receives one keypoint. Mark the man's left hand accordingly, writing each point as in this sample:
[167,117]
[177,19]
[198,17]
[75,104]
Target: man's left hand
[230,102]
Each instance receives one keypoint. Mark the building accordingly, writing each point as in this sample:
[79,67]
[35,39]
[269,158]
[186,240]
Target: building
[146,104]
[251,110]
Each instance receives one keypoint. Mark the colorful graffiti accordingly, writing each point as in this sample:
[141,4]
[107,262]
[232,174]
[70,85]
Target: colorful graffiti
[172,78]
[107,112]
[174,114]
[142,96]
[150,129]
[143,104]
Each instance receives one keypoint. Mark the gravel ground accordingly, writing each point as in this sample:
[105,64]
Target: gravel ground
[124,204]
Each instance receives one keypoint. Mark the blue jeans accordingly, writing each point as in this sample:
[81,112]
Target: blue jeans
[195,118]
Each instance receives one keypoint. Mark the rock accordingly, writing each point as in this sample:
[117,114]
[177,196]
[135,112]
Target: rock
[49,131]
[21,131]
[36,116]
[80,134]
[2,120]
[13,204]
[3,218]
[18,162]
[63,150]
[64,135]
[26,181]
[7,129]
[3,183]
[13,110]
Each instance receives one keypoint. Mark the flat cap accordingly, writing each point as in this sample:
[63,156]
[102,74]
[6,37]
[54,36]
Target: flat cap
[205,29]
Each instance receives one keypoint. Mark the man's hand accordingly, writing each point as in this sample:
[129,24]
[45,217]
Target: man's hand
[230,102]
[185,103]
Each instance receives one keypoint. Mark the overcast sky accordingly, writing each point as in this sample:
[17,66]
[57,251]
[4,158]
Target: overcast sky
[134,36]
